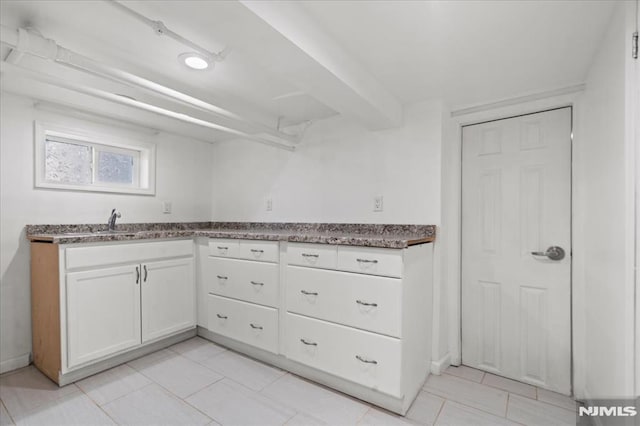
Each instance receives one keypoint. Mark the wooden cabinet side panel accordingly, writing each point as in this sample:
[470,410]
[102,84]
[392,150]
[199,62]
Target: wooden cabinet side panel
[45,309]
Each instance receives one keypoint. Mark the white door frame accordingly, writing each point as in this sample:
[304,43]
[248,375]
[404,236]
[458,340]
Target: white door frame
[450,237]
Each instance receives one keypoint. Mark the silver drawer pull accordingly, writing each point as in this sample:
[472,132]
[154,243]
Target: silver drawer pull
[308,293]
[308,343]
[222,277]
[256,283]
[256,327]
[366,361]
[223,248]
[222,316]
[257,251]
[360,302]
[310,255]
[367,260]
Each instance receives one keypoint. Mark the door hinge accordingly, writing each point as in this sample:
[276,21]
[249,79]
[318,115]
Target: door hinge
[634,45]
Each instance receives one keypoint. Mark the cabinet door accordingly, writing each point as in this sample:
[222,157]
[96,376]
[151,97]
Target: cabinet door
[103,313]
[168,297]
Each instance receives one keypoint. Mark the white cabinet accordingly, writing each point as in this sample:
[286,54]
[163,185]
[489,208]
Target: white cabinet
[354,318]
[103,313]
[168,298]
[366,320]
[242,280]
[92,302]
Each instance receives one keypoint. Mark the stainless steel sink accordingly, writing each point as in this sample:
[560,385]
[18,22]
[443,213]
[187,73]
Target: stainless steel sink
[97,233]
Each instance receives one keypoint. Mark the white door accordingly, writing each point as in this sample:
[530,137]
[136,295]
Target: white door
[516,200]
[168,297]
[103,313]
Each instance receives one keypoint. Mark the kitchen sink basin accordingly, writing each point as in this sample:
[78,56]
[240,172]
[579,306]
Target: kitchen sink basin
[100,233]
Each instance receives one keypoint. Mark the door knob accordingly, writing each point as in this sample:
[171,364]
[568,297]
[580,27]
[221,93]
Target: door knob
[553,253]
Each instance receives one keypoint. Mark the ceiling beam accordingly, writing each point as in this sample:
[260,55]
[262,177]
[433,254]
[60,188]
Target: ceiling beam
[302,52]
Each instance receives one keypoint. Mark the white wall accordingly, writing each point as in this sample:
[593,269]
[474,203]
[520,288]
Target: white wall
[335,173]
[603,148]
[183,177]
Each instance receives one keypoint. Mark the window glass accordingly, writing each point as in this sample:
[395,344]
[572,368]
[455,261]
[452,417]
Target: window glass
[67,162]
[115,168]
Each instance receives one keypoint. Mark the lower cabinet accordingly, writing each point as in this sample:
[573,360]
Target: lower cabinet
[369,359]
[94,302]
[103,313]
[247,322]
[168,297]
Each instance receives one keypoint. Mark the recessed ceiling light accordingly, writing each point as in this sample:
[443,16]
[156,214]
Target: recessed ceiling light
[195,61]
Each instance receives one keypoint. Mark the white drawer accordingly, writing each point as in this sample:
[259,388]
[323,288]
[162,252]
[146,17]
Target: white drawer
[371,260]
[82,257]
[255,282]
[264,251]
[313,255]
[363,301]
[366,358]
[223,248]
[252,324]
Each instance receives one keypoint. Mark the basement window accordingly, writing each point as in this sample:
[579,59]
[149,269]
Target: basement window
[71,160]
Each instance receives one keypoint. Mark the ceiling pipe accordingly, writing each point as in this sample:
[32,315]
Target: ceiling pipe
[9,69]
[161,29]
[28,42]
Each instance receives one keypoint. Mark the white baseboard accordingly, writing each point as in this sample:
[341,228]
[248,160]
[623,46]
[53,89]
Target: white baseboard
[437,367]
[15,363]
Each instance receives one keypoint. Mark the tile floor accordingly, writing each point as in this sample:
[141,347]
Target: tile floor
[199,383]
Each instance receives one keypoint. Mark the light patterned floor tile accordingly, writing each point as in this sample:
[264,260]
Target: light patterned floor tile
[454,414]
[509,385]
[197,349]
[153,405]
[230,403]
[5,419]
[555,398]
[328,406]
[469,393]
[536,413]
[425,408]
[303,419]
[465,372]
[377,417]
[179,375]
[29,389]
[112,384]
[73,409]
[252,374]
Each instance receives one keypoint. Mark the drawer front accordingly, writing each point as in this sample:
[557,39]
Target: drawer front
[368,260]
[366,358]
[363,301]
[263,251]
[252,324]
[83,257]
[255,282]
[312,255]
[223,248]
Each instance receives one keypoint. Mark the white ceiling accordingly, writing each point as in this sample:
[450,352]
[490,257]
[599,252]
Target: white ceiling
[463,52]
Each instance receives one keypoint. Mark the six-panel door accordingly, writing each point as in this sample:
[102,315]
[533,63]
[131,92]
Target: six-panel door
[168,297]
[103,313]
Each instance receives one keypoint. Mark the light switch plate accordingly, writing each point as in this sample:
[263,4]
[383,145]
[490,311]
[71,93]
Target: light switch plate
[166,207]
[269,204]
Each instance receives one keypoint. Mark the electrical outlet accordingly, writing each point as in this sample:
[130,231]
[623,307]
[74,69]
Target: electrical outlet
[166,207]
[269,204]
[378,203]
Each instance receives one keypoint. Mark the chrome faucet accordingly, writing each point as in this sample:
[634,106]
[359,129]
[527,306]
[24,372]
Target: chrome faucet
[112,219]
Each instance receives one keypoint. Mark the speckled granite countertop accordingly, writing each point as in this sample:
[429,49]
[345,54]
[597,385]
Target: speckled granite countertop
[366,235]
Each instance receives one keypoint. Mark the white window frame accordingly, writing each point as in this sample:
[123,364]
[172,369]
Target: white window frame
[144,169]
